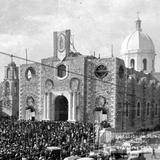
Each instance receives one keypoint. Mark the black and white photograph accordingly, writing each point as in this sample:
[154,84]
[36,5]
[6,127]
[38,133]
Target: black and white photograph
[79,80]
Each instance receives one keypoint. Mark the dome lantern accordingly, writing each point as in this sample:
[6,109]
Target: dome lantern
[138,25]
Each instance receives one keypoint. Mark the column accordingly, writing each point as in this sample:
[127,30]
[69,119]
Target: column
[48,106]
[44,106]
[27,114]
[74,106]
[12,72]
[29,111]
[70,107]
[52,108]
[78,105]
[78,99]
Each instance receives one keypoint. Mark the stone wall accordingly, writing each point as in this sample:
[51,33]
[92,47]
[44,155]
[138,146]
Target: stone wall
[141,88]
[120,94]
[76,68]
[104,87]
[113,92]
[29,88]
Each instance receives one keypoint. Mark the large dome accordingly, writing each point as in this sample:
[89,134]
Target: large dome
[137,42]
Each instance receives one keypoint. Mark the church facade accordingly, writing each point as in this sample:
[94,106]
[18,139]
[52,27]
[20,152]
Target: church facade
[72,87]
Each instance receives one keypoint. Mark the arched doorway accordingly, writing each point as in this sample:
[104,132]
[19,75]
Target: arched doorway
[61,108]
[30,110]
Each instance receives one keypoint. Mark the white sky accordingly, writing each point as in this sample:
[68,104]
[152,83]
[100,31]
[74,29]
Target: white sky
[95,24]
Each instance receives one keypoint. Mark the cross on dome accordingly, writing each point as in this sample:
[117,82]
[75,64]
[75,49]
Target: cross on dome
[138,14]
[138,22]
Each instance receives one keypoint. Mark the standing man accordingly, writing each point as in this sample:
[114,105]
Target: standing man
[153,153]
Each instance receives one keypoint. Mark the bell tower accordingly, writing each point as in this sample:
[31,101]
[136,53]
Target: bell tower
[11,90]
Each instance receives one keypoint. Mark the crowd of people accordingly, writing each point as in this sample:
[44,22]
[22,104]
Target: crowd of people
[29,139]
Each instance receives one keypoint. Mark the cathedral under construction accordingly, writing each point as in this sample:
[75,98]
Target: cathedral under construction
[70,86]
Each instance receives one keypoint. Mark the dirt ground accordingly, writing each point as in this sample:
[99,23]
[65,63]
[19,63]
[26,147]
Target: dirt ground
[150,157]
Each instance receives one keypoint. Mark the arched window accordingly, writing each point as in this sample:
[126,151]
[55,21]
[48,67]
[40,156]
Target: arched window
[138,109]
[152,64]
[30,101]
[8,72]
[15,88]
[30,73]
[127,109]
[156,109]
[121,71]
[49,84]
[148,108]
[61,71]
[132,63]
[15,74]
[7,88]
[145,64]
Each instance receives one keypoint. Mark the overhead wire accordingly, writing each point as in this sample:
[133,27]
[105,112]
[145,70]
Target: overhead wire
[75,73]
[89,77]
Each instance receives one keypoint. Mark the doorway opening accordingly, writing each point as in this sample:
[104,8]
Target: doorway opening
[30,113]
[61,108]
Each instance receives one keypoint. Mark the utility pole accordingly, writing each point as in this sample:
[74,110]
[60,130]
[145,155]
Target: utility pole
[26,55]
